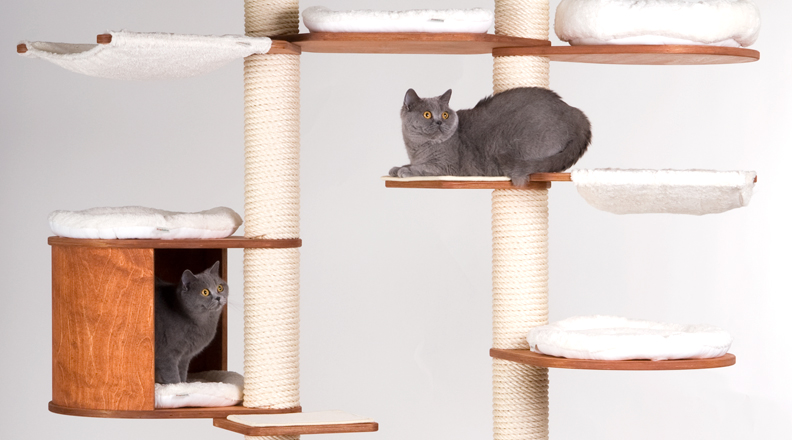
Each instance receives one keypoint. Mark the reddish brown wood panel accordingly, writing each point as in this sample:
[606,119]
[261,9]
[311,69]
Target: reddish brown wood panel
[539,360]
[176,413]
[405,42]
[284,47]
[637,54]
[169,264]
[463,184]
[293,430]
[217,243]
[103,328]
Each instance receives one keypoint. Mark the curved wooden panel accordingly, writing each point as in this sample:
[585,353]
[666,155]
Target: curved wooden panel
[212,243]
[405,42]
[637,54]
[103,328]
[176,413]
[539,360]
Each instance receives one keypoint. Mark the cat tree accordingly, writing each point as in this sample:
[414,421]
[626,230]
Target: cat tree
[271,257]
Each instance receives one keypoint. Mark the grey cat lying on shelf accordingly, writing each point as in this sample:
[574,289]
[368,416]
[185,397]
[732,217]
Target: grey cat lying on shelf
[515,133]
[185,321]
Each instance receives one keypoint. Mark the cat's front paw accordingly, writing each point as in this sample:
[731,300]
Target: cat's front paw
[401,171]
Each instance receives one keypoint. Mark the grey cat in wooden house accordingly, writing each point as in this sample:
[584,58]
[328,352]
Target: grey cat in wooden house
[185,320]
[514,133]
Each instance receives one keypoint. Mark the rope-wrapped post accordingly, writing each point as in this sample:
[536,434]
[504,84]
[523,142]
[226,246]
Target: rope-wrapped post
[519,241]
[272,210]
[525,19]
[519,302]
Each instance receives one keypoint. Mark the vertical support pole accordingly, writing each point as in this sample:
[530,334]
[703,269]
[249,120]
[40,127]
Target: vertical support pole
[272,210]
[519,237]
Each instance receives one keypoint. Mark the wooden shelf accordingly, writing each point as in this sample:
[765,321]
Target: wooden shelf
[405,42]
[538,181]
[176,413]
[211,243]
[539,360]
[637,54]
[295,424]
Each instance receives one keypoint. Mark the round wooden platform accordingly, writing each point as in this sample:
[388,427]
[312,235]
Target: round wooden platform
[539,360]
[405,42]
[637,54]
[209,243]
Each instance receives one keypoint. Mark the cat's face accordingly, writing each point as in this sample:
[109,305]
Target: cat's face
[204,292]
[428,119]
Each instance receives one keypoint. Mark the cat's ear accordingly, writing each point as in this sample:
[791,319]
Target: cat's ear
[445,97]
[410,98]
[215,269]
[187,278]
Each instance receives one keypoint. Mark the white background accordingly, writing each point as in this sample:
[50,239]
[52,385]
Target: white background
[396,282]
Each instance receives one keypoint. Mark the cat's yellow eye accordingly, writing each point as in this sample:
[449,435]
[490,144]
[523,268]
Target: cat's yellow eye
[445,115]
[219,287]
[428,115]
[205,292]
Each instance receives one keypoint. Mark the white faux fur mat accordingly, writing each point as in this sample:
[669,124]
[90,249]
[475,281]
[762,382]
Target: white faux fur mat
[614,338]
[695,192]
[732,23]
[139,222]
[205,389]
[321,19]
[135,55]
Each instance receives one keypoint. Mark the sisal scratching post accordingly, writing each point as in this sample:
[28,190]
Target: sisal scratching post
[519,248]
[525,19]
[272,210]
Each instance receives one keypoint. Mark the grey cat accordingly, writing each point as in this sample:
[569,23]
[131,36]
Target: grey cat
[185,318]
[515,133]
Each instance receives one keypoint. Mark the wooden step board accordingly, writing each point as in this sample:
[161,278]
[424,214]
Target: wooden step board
[537,181]
[320,422]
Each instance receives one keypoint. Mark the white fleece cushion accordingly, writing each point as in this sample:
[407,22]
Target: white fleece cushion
[136,55]
[695,192]
[205,389]
[140,222]
[613,338]
[712,22]
[321,19]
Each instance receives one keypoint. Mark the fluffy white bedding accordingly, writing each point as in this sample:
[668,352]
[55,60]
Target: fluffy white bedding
[141,55]
[695,192]
[140,222]
[615,338]
[712,22]
[205,389]
[321,19]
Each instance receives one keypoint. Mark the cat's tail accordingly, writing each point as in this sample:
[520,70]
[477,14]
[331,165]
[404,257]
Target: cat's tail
[560,161]
[569,155]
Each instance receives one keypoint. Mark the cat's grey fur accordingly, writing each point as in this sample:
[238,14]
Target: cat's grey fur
[185,321]
[515,133]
